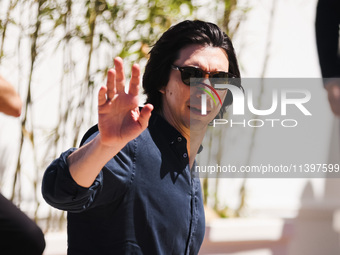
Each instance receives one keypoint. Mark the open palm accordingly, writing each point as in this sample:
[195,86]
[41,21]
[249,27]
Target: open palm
[119,118]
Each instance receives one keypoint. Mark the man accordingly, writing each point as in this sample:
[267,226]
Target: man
[328,44]
[19,235]
[129,189]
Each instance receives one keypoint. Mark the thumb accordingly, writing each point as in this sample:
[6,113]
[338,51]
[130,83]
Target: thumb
[145,115]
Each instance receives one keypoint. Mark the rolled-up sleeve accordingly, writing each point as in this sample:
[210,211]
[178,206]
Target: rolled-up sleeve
[62,192]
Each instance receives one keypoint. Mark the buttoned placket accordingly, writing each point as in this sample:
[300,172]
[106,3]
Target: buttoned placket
[194,210]
[179,147]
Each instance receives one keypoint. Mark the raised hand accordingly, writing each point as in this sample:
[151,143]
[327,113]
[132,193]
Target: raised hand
[119,118]
[119,121]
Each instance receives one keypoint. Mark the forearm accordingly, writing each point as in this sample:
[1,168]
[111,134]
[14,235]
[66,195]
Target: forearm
[10,102]
[61,191]
[86,163]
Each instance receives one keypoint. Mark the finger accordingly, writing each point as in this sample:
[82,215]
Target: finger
[101,96]
[135,79]
[111,84]
[120,77]
[145,115]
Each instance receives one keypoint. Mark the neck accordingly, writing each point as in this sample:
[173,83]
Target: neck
[194,138]
[194,143]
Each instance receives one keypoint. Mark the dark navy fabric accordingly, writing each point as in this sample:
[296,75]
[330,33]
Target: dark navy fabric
[144,201]
[327,24]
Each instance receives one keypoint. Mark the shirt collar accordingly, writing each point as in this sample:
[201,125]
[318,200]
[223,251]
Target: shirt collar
[172,134]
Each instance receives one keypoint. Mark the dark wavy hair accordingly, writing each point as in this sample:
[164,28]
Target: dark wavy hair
[167,50]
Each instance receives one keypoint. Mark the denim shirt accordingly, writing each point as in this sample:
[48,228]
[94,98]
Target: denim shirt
[144,201]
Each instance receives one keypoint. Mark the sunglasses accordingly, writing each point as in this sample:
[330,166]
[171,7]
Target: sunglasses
[188,72]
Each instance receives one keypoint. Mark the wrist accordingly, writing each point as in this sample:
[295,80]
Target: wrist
[109,144]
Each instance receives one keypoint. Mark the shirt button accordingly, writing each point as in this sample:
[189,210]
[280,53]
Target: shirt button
[185,155]
[179,139]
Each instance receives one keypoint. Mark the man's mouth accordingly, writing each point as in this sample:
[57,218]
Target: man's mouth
[197,110]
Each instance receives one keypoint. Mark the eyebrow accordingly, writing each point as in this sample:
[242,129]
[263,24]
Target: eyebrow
[204,69]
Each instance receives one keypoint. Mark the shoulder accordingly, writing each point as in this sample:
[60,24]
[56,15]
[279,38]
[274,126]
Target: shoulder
[89,135]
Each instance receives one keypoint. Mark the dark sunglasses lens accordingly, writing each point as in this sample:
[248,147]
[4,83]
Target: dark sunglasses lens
[221,75]
[190,72]
[221,78]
